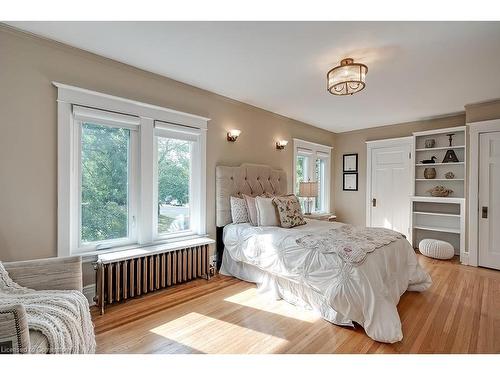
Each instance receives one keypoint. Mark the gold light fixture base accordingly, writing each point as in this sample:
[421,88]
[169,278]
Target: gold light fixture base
[347,61]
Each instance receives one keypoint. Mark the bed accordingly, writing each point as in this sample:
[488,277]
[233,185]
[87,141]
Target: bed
[281,262]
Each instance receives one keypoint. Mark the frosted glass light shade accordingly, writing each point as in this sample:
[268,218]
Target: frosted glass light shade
[280,145]
[308,189]
[346,79]
[233,134]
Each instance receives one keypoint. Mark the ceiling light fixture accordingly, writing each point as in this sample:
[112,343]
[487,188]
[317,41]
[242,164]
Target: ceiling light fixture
[346,79]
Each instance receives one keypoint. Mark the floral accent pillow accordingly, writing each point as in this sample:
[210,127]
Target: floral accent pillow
[289,211]
[239,212]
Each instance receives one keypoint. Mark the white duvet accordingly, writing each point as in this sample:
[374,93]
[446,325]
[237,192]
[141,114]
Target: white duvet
[343,293]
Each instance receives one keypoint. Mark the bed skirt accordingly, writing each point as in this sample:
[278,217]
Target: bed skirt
[280,288]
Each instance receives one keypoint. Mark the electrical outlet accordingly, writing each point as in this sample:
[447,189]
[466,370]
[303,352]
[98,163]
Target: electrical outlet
[213,260]
[213,265]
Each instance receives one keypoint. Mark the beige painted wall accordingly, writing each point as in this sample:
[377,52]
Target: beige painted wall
[28,137]
[350,205]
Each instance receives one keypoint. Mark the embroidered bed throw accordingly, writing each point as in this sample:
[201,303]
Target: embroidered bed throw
[350,243]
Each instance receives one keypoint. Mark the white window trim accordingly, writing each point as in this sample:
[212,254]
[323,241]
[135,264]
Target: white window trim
[68,150]
[471,257]
[314,150]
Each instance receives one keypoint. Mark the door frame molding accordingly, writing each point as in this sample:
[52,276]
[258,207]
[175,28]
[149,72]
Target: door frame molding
[475,130]
[383,143]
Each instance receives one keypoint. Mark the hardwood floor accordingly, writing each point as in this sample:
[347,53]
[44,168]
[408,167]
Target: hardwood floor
[460,313]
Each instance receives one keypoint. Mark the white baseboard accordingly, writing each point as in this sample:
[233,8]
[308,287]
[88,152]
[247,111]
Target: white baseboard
[89,292]
[464,259]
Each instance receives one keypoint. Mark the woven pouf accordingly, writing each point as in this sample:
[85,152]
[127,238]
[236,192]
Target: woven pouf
[436,249]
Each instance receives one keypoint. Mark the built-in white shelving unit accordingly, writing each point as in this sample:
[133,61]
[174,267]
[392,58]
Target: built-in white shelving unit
[435,214]
[437,229]
[439,179]
[439,164]
[439,217]
[440,148]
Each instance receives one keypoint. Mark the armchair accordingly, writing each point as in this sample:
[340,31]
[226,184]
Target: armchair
[41,274]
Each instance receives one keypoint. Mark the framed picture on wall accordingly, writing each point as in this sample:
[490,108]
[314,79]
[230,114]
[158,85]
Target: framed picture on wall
[350,182]
[350,162]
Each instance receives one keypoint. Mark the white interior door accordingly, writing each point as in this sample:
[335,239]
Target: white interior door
[390,187]
[489,200]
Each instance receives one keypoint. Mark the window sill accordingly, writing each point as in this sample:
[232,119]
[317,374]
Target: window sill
[146,249]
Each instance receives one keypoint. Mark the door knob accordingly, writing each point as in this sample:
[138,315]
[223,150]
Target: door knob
[374,202]
[485,212]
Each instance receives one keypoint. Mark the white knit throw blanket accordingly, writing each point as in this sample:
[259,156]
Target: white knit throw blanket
[62,316]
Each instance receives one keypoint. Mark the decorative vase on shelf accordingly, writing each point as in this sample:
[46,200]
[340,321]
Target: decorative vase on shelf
[450,138]
[430,173]
[430,143]
[450,175]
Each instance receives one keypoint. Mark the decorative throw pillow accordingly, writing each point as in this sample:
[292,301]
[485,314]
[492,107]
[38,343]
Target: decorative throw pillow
[239,212]
[251,209]
[289,211]
[267,216]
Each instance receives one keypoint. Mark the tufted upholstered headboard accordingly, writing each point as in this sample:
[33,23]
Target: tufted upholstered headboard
[250,179]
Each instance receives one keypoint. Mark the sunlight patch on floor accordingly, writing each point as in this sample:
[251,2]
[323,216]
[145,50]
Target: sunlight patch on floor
[183,329]
[251,298]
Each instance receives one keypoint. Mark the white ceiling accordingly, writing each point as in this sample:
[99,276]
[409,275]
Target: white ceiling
[416,70]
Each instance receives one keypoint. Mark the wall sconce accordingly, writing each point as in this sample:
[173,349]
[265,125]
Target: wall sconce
[233,134]
[280,145]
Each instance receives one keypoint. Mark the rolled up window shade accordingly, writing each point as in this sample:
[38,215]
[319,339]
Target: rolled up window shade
[323,155]
[186,133]
[100,117]
[304,151]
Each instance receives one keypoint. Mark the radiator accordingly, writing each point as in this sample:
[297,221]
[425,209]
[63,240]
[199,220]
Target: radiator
[138,275]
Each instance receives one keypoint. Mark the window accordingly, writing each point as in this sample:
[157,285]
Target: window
[128,173]
[322,173]
[302,170]
[177,189]
[105,181]
[312,163]
[174,182]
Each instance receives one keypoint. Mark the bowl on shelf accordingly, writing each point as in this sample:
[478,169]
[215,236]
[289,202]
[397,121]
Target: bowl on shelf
[440,191]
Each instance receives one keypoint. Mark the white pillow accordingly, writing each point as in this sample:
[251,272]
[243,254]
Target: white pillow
[267,215]
[251,209]
[239,212]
